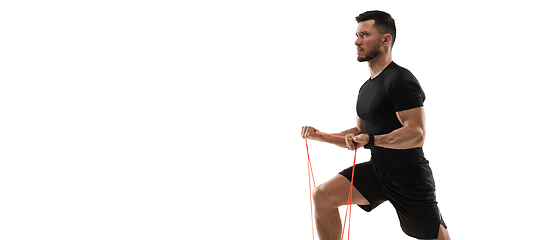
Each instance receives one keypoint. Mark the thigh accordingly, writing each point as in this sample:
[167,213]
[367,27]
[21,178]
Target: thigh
[367,184]
[416,205]
[336,191]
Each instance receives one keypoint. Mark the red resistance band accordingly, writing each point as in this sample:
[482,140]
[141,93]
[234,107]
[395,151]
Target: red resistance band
[350,199]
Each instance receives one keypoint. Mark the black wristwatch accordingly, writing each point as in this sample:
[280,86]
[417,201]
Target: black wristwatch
[371,142]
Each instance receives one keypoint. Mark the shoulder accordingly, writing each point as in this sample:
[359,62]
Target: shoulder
[403,89]
[400,81]
[395,74]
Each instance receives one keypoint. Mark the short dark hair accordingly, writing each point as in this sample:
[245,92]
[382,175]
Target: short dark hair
[384,23]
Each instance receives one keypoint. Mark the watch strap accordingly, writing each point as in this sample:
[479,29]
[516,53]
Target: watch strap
[371,142]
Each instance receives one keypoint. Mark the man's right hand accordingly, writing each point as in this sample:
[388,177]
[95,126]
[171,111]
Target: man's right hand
[309,132]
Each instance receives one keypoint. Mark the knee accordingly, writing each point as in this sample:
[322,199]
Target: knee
[321,198]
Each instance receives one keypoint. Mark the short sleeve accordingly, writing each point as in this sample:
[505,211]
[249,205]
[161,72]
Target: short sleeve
[406,93]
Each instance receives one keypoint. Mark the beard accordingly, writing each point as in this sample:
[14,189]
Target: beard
[373,53]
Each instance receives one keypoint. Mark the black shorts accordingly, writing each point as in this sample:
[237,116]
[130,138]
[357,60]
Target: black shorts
[414,199]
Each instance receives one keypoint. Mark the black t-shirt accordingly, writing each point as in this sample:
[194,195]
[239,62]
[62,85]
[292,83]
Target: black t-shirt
[394,89]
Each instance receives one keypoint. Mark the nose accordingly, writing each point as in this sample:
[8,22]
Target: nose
[358,42]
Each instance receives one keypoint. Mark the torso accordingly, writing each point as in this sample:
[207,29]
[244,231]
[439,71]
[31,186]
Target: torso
[394,89]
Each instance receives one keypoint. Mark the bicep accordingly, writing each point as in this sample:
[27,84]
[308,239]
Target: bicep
[412,117]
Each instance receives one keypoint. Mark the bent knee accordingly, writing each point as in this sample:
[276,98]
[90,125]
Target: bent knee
[322,198]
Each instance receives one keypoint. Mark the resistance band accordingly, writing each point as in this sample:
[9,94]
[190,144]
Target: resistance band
[349,200]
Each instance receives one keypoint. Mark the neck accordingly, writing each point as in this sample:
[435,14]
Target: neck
[378,64]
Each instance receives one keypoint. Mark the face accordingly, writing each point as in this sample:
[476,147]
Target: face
[367,41]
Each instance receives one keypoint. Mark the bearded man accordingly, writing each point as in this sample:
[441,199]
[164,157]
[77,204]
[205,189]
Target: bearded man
[390,122]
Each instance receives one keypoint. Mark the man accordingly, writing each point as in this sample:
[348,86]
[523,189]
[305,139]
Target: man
[391,122]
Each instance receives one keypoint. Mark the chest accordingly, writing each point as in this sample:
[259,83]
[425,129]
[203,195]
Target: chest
[374,102]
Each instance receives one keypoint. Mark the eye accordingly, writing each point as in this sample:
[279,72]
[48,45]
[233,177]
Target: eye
[362,34]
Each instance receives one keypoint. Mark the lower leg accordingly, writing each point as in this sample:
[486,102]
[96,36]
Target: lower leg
[328,223]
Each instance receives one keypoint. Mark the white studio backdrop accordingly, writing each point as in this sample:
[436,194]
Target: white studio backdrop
[178,120]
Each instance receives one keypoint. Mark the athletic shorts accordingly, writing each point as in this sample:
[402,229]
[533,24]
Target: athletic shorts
[414,199]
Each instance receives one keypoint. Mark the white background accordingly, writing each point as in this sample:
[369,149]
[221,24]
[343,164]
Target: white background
[181,120]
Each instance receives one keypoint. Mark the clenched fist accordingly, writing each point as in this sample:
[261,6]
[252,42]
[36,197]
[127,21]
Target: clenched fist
[309,132]
[353,142]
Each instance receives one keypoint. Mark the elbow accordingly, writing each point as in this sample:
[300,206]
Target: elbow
[419,138]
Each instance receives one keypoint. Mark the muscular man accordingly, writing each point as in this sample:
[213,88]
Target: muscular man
[391,123]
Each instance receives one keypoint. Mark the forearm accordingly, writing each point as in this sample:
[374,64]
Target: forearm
[340,142]
[406,137]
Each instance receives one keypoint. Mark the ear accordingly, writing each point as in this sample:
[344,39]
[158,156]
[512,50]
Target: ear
[387,39]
